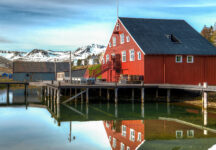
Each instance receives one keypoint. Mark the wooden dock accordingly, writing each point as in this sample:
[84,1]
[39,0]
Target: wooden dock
[55,89]
[8,85]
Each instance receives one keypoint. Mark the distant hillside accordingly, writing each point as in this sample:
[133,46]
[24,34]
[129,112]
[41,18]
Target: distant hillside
[5,63]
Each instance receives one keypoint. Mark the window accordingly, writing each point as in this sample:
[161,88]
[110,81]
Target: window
[103,61]
[190,133]
[132,55]
[123,130]
[124,56]
[179,134]
[110,138]
[172,38]
[178,59]
[128,148]
[128,38]
[107,124]
[107,58]
[114,41]
[110,44]
[132,134]
[139,138]
[117,27]
[113,54]
[114,142]
[122,38]
[190,59]
[122,146]
[139,55]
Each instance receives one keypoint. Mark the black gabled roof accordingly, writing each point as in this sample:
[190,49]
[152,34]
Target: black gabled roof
[154,37]
[78,73]
[39,67]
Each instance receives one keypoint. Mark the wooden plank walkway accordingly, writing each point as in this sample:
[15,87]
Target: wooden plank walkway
[113,85]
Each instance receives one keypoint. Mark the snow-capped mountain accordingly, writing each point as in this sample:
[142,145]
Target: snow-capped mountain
[49,55]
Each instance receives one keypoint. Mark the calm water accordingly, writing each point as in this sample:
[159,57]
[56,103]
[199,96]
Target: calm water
[30,125]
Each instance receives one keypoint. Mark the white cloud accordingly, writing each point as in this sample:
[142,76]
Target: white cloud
[74,36]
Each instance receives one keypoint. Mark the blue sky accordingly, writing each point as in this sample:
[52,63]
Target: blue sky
[68,24]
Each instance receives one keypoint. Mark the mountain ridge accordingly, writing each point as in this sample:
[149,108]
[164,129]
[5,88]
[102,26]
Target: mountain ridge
[40,55]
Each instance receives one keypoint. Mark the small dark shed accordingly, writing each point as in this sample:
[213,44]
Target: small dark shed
[38,71]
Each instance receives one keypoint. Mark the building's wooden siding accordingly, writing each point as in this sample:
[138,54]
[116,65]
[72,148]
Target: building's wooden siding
[33,76]
[164,69]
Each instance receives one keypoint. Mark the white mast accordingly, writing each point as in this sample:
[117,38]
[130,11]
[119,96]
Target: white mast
[117,9]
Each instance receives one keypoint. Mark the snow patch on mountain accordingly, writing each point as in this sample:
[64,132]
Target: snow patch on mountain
[38,55]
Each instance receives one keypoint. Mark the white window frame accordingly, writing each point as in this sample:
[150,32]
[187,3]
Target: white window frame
[107,124]
[128,148]
[107,58]
[128,39]
[122,146]
[139,137]
[122,40]
[117,27]
[124,130]
[181,132]
[190,62]
[124,55]
[114,41]
[180,60]
[110,44]
[114,143]
[132,50]
[139,56]
[132,136]
[188,133]
[110,138]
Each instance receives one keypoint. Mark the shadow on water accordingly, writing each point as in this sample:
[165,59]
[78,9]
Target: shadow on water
[106,125]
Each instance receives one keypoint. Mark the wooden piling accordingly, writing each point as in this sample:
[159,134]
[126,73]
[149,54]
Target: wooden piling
[156,95]
[132,94]
[87,95]
[81,98]
[116,95]
[58,103]
[205,97]
[8,95]
[100,92]
[76,94]
[168,95]
[142,95]
[54,100]
[108,95]
[116,110]
[51,98]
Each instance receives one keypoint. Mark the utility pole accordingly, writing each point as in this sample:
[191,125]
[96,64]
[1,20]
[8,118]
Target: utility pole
[70,73]
[55,70]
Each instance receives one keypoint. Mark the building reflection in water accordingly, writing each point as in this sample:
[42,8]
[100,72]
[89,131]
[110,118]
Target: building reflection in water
[133,134]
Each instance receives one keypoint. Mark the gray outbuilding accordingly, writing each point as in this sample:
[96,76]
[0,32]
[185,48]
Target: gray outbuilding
[38,71]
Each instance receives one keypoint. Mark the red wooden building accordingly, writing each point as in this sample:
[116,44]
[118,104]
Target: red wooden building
[161,51]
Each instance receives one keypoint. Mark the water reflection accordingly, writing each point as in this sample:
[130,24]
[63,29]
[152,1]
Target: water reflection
[105,125]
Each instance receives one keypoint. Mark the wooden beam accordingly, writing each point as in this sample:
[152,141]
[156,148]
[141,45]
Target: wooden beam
[74,97]
[74,109]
